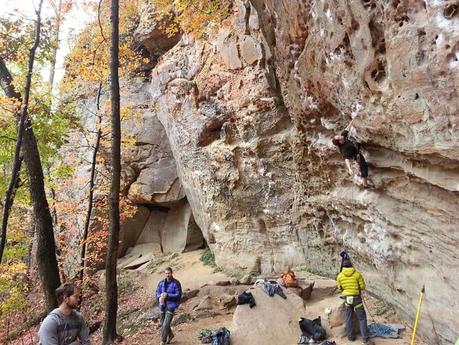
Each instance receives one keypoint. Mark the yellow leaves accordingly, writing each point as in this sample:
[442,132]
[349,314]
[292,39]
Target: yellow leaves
[12,269]
[8,109]
[89,60]
[61,7]
[127,141]
[13,288]
[193,15]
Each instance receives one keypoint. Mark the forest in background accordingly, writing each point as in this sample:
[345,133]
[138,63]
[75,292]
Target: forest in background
[49,236]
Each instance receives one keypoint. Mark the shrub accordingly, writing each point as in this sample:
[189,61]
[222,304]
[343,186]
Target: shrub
[208,258]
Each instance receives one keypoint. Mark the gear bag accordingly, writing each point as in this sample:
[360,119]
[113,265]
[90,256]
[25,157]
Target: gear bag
[221,336]
[312,329]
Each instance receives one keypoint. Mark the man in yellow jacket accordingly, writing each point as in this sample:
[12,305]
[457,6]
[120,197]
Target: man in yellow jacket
[351,283]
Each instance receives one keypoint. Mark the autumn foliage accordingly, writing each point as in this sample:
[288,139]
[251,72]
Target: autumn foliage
[65,126]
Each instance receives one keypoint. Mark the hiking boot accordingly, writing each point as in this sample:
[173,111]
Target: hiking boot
[369,186]
[171,336]
[351,338]
[368,342]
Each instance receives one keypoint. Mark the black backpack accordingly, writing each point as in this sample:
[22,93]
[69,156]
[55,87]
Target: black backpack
[313,329]
[221,336]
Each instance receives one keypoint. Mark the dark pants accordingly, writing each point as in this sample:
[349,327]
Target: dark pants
[165,321]
[362,165]
[357,307]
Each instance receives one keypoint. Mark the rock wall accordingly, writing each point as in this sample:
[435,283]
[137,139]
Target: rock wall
[250,110]
[159,213]
[150,181]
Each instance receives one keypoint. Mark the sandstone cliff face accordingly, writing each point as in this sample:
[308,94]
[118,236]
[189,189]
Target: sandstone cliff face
[150,180]
[249,114]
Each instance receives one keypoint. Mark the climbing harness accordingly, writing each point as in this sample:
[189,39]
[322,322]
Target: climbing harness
[345,255]
[418,311]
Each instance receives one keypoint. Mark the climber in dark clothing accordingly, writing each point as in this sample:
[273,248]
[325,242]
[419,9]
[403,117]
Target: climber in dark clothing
[350,150]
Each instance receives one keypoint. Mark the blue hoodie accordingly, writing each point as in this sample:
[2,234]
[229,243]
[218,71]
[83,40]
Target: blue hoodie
[174,293]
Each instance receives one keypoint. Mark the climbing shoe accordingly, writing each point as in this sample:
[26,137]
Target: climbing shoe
[171,336]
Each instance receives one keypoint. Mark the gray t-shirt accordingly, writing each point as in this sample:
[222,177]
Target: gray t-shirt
[59,329]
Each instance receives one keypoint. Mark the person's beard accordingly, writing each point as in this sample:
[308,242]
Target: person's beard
[72,305]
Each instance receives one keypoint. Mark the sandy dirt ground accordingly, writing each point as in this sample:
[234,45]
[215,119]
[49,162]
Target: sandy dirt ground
[194,275]
[136,300]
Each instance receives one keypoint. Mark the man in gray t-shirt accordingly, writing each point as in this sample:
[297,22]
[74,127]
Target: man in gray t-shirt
[64,325]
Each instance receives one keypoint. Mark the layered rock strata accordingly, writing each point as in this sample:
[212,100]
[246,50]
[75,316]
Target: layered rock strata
[249,113]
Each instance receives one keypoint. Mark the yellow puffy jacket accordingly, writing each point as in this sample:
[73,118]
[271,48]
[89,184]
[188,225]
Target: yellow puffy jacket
[350,281]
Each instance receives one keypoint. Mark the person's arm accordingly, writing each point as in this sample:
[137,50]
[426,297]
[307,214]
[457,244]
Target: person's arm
[348,166]
[338,283]
[83,336]
[158,290]
[361,283]
[176,294]
[48,332]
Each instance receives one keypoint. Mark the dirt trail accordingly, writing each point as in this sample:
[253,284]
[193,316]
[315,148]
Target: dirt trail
[137,301]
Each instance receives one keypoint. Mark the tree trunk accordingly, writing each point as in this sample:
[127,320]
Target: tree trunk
[52,69]
[46,248]
[10,193]
[111,303]
[91,188]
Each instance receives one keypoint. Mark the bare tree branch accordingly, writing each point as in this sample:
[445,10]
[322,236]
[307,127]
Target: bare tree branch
[91,188]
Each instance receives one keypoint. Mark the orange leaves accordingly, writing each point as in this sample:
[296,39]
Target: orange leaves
[97,246]
[88,62]
[193,16]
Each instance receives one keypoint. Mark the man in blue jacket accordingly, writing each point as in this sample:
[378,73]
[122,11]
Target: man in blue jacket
[168,293]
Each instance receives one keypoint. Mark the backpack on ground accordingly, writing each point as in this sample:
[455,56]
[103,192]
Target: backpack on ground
[312,329]
[289,279]
[303,340]
[221,336]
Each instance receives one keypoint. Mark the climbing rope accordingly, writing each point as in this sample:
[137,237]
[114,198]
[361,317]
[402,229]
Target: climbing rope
[368,310]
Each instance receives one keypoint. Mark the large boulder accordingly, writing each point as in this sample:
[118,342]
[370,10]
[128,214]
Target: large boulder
[150,32]
[138,255]
[157,184]
[131,228]
[149,173]
[273,320]
[180,232]
[152,229]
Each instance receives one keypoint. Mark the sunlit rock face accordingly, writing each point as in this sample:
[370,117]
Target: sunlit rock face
[149,180]
[249,113]
[149,172]
[150,34]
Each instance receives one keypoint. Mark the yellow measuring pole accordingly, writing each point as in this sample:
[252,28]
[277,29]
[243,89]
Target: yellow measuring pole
[418,311]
